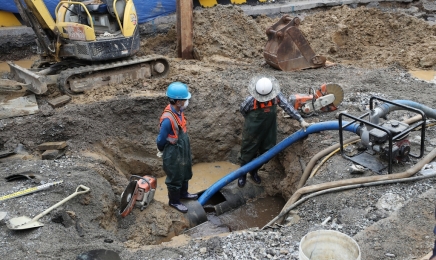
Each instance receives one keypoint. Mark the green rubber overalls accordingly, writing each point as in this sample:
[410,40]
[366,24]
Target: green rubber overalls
[259,133]
[177,162]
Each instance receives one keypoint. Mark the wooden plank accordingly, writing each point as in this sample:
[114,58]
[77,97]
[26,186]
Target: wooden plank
[59,101]
[52,146]
[184,29]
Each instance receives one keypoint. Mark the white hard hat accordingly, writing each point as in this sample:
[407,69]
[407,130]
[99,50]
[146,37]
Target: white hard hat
[264,88]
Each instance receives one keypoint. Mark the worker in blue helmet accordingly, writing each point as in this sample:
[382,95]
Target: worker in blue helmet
[173,142]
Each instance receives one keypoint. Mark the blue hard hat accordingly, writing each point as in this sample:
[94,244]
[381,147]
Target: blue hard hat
[178,90]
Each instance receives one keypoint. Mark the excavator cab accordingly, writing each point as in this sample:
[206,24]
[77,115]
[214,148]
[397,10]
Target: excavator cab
[287,49]
[97,30]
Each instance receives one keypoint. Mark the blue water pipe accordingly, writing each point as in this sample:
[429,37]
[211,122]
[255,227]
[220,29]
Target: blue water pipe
[387,108]
[264,158]
[383,109]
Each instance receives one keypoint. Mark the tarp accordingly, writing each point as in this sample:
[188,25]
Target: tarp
[146,9]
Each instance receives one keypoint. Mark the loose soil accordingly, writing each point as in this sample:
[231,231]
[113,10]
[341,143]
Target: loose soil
[111,135]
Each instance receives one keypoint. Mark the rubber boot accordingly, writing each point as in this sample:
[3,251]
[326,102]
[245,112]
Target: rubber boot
[242,180]
[184,194]
[174,196]
[255,177]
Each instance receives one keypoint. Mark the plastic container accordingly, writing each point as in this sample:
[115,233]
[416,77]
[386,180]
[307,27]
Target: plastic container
[328,245]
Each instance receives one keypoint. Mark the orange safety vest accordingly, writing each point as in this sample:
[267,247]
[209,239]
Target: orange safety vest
[176,123]
[270,103]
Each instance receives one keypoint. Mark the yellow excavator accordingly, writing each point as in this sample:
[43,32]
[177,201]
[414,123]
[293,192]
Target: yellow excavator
[90,44]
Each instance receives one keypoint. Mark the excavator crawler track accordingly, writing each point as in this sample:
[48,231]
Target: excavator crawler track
[77,80]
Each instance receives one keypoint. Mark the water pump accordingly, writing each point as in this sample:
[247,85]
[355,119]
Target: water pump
[383,140]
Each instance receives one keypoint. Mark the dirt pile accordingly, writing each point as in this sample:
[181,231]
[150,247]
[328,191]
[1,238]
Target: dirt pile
[226,31]
[369,37]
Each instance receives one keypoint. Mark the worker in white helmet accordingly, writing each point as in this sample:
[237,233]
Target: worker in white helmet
[260,127]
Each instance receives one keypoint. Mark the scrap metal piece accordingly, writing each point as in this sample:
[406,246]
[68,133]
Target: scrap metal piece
[287,49]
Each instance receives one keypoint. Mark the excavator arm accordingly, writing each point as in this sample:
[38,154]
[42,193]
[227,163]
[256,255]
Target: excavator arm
[36,15]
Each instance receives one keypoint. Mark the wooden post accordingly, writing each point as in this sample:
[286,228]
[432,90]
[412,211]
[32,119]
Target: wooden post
[184,29]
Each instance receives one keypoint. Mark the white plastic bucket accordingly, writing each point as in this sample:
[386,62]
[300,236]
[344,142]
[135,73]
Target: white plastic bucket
[328,245]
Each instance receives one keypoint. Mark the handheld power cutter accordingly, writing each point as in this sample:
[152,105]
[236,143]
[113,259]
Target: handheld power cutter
[325,98]
[140,192]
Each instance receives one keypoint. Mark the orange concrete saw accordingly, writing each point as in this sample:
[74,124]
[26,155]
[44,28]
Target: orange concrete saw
[140,192]
[325,98]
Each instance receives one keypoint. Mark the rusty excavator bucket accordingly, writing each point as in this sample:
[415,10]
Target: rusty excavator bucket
[287,49]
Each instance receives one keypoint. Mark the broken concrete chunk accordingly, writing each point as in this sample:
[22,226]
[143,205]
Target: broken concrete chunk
[17,106]
[52,146]
[52,154]
[59,101]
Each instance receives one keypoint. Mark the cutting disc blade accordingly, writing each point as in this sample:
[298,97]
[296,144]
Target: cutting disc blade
[337,91]
[128,198]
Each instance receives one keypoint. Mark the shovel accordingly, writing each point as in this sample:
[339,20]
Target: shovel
[24,222]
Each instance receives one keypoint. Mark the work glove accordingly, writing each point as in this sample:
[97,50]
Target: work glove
[159,153]
[304,125]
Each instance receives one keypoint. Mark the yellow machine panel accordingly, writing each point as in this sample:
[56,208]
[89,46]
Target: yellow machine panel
[76,31]
[212,3]
[130,20]
[8,19]
[208,3]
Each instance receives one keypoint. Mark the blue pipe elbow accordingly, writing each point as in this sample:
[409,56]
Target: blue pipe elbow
[387,108]
[264,158]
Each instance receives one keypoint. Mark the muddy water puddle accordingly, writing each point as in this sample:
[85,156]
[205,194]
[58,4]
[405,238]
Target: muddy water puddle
[4,67]
[427,75]
[204,175]
[255,213]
